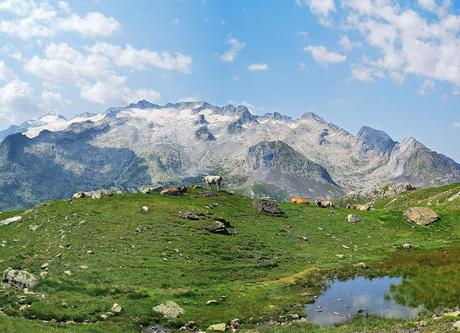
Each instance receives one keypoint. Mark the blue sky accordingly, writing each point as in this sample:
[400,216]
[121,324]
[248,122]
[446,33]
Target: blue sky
[392,65]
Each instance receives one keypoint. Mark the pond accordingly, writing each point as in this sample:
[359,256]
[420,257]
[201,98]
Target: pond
[343,300]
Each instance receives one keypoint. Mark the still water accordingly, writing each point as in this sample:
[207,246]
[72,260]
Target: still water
[343,300]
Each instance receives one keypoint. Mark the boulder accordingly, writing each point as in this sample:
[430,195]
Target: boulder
[100,194]
[218,228]
[116,309]
[352,218]
[79,195]
[268,206]
[11,220]
[456,325]
[19,279]
[217,327]
[150,189]
[169,310]
[421,215]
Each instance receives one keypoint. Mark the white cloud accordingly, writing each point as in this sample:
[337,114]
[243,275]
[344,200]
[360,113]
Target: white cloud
[31,19]
[232,52]
[140,59]
[96,70]
[429,5]
[457,124]
[406,42]
[321,8]
[258,67]
[53,100]
[347,44]
[324,57]
[16,101]
[5,72]
[426,87]
[92,25]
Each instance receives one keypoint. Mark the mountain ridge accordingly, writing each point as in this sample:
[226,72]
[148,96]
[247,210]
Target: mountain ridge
[177,142]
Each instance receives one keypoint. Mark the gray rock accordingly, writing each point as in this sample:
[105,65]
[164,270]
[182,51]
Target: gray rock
[407,246]
[267,206]
[11,220]
[422,216]
[169,310]
[218,228]
[19,278]
[352,218]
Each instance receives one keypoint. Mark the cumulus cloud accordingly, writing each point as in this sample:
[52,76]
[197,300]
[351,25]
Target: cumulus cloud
[347,44]
[232,52]
[16,101]
[53,100]
[96,69]
[397,41]
[5,72]
[407,42]
[426,87]
[322,8]
[140,59]
[30,19]
[258,67]
[324,57]
[457,124]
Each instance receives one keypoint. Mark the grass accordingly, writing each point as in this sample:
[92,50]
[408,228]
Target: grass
[257,274]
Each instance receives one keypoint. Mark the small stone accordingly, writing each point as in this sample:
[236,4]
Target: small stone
[217,327]
[44,266]
[67,273]
[212,301]
[145,209]
[116,309]
[361,265]
[456,325]
[83,267]
[407,246]
[104,316]
[352,218]
[33,227]
[452,314]
[43,274]
[89,252]
[340,256]
[235,323]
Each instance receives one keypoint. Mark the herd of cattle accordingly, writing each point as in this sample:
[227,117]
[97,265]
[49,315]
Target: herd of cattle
[217,181]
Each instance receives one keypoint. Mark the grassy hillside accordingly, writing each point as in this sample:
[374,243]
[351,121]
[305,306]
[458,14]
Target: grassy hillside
[269,267]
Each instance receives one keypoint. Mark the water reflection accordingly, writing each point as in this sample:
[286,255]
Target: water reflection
[345,299]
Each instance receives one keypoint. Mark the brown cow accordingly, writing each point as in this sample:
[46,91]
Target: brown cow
[352,206]
[301,201]
[174,191]
[325,204]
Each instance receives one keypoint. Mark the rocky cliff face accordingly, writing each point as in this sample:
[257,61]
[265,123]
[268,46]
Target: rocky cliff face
[148,143]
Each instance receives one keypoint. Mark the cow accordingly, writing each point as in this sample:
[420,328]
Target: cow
[325,204]
[210,180]
[174,191]
[300,201]
[364,207]
[352,206]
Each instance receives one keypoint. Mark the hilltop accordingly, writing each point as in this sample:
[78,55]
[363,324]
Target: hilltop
[145,143]
[112,250]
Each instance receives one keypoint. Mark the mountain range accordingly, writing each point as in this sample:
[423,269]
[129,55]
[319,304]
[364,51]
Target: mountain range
[144,143]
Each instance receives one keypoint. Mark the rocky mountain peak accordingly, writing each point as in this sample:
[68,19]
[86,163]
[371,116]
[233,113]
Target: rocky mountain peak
[370,139]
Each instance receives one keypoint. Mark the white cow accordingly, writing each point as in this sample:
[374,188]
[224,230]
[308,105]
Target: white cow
[210,180]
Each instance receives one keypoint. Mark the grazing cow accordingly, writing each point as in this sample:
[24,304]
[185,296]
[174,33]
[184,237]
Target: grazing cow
[300,201]
[325,204]
[210,180]
[174,191]
[352,206]
[364,207]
